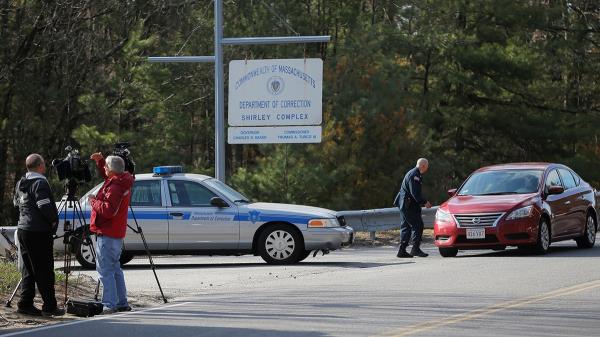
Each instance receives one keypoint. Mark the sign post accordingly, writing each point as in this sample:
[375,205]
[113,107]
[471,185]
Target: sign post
[220,41]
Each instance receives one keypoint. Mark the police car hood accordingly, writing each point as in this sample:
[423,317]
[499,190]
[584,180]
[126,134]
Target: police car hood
[292,209]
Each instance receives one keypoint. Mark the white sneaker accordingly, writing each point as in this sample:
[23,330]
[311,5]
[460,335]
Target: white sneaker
[108,311]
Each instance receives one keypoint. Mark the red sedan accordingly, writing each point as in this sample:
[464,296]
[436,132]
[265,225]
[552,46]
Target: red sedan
[528,205]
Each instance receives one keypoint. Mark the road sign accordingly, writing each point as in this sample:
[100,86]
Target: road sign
[275,92]
[275,134]
[220,41]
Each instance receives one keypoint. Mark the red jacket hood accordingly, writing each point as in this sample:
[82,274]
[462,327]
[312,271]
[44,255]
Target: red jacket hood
[124,180]
[462,204]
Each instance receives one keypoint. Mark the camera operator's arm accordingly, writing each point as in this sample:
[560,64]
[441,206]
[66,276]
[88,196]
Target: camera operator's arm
[109,205]
[100,162]
[45,201]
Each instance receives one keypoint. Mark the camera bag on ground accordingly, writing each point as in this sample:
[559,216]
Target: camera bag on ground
[84,308]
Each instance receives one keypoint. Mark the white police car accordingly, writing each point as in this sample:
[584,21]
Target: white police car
[194,214]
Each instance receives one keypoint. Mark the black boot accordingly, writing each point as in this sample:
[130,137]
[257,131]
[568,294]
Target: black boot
[402,252]
[416,251]
[53,313]
[29,310]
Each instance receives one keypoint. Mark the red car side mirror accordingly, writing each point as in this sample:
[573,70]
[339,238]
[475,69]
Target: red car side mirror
[555,189]
[451,192]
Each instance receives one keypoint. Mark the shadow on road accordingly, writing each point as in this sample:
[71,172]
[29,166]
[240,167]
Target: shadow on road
[248,315]
[553,252]
[263,265]
[357,265]
[110,327]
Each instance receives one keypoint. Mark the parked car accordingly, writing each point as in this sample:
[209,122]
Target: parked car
[194,214]
[528,205]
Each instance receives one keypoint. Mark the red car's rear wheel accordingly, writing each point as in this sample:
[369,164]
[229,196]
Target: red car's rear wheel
[588,238]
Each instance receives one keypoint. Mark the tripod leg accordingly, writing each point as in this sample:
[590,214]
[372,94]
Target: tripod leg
[69,239]
[8,303]
[67,266]
[141,233]
[97,291]
[151,263]
[86,237]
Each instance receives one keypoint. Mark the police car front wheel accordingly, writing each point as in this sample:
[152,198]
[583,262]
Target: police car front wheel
[280,244]
[85,256]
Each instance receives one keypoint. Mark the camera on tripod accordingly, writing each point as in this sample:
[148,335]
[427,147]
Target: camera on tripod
[72,166]
[73,169]
[121,150]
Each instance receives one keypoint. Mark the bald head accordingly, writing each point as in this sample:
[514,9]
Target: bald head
[35,163]
[423,165]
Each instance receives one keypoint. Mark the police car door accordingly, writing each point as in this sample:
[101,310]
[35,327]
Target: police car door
[149,206]
[194,224]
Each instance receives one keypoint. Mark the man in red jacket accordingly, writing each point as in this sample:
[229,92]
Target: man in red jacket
[109,223]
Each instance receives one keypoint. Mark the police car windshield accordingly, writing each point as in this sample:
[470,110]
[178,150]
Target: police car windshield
[502,182]
[227,191]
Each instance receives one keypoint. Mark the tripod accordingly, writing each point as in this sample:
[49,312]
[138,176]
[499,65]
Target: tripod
[70,240]
[138,230]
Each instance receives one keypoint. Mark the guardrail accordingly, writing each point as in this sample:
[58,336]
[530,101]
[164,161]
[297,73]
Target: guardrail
[381,219]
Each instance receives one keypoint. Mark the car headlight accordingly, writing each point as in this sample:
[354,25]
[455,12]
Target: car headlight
[323,223]
[441,216]
[523,212]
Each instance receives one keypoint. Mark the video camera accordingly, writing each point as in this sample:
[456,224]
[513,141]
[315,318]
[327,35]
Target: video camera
[72,166]
[121,150]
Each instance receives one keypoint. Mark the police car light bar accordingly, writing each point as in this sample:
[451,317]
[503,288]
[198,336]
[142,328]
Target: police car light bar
[166,170]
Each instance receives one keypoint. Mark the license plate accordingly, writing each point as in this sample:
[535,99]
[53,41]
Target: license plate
[475,233]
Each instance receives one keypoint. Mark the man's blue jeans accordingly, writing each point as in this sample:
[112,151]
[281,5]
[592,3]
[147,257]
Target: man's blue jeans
[108,252]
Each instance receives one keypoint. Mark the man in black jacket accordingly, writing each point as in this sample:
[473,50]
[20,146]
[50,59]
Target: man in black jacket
[38,219]
[409,200]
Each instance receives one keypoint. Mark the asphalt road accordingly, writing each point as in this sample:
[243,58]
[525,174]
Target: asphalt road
[362,292]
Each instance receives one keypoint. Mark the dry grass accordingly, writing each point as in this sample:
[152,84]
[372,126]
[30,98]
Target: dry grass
[80,286]
[386,238]
[9,277]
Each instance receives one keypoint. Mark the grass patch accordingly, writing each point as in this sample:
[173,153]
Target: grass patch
[9,277]
[59,276]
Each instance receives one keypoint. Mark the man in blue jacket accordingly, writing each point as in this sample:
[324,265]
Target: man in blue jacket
[410,200]
[38,218]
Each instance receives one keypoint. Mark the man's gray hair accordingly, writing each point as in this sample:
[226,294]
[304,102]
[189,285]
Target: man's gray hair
[422,161]
[115,164]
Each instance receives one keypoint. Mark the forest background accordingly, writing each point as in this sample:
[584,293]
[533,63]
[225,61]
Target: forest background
[464,83]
